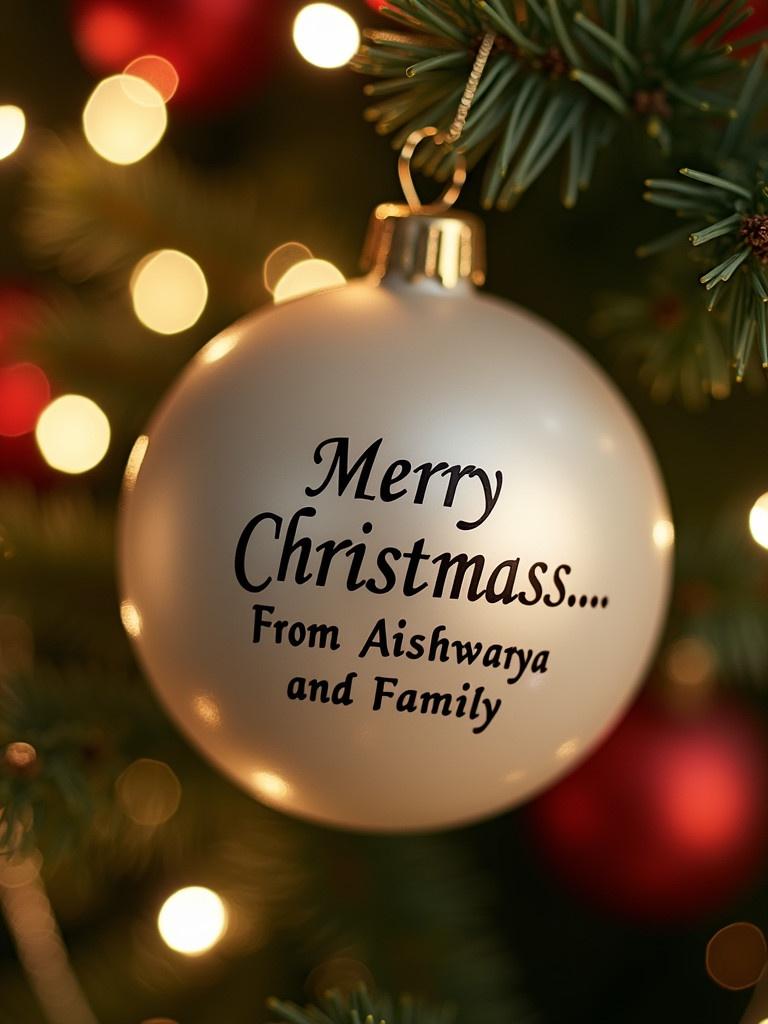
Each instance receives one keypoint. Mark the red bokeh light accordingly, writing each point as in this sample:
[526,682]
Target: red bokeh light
[220,49]
[159,72]
[24,393]
[110,33]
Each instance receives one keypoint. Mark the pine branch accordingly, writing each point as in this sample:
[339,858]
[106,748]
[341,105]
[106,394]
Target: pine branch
[80,336]
[426,895]
[91,218]
[63,533]
[727,218]
[360,1007]
[50,545]
[290,879]
[725,210]
[666,334]
[80,722]
[563,77]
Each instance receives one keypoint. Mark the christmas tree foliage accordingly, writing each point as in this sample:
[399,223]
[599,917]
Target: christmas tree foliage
[565,81]
[649,118]
[360,1008]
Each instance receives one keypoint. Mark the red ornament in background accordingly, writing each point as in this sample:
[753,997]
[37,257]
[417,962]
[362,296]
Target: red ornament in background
[220,49]
[668,820]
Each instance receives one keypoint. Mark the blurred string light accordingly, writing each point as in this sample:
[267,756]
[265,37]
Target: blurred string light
[124,119]
[19,869]
[280,261]
[192,920]
[72,434]
[24,393]
[149,792]
[306,277]
[758,521]
[168,291]
[158,71]
[13,124]
[325,35]
[38,942]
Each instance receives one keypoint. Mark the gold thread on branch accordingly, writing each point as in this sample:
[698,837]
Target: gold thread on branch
[470,89]
[459,174]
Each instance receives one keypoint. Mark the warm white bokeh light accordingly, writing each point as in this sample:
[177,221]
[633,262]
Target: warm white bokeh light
[168,291]
[758,521]
[306,277]
[13,124]
[192,920]
[124,119]
[280,261]
[72,434]
[325,35]
[148,792]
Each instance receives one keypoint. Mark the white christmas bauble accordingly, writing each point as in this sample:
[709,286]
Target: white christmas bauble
[395,557]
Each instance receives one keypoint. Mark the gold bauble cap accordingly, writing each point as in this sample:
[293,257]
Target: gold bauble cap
[432,243]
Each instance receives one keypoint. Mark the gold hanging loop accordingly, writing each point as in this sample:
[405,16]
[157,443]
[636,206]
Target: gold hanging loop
[459,174]
[452,190]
